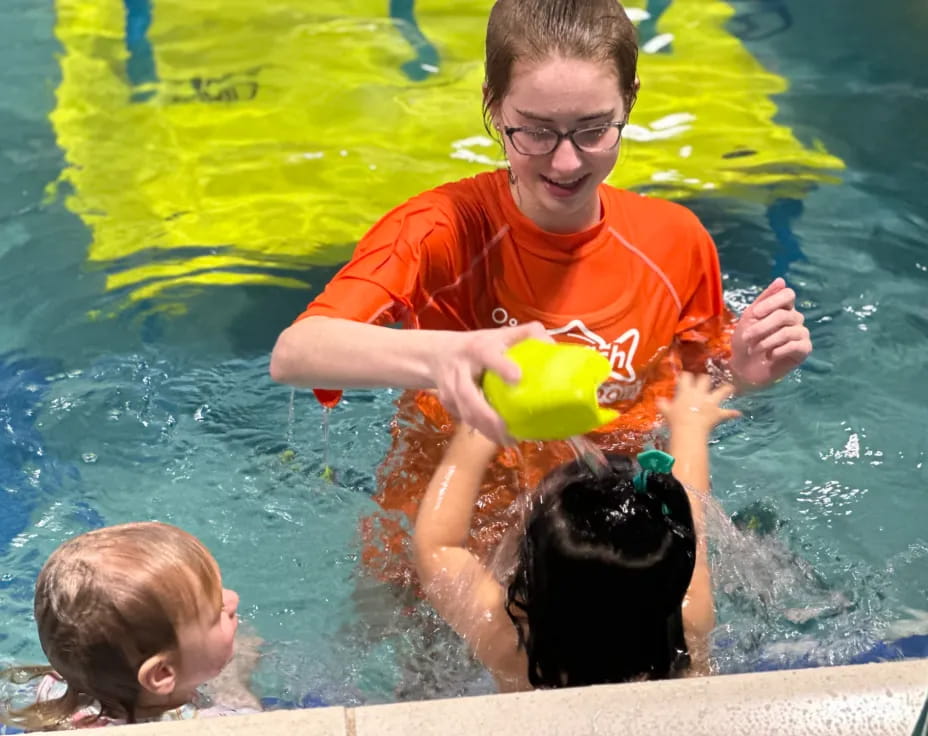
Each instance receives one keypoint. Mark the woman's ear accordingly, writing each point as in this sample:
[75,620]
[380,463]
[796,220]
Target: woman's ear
[492,110]
[158,675]
[633,97]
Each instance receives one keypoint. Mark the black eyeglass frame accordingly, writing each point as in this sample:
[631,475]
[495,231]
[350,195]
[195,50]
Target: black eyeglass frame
[569,135]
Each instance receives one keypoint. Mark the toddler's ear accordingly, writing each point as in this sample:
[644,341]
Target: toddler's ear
[157,675]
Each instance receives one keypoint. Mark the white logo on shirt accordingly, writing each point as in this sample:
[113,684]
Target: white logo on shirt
[620,353]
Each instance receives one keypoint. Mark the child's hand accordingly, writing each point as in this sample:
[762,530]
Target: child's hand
[696,405]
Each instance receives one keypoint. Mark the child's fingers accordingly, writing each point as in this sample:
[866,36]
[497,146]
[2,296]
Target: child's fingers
[685,381]
[723,393]
[730,414]
[703,382]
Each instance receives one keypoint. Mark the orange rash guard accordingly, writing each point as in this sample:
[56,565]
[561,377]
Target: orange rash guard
[642,286]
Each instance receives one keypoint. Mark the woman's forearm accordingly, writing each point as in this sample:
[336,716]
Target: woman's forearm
[326,352]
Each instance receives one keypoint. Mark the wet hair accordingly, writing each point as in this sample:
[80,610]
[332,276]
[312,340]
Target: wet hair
[105,602]
[536,30]
[601,573]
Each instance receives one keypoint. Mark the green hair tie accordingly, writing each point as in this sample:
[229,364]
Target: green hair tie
[652,461]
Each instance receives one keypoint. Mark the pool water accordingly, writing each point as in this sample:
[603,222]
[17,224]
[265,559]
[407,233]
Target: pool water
[151,250]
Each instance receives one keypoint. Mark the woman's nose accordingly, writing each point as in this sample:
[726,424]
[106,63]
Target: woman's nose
[566,158]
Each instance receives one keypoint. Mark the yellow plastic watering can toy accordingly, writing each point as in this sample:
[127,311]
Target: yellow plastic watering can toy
[555,398]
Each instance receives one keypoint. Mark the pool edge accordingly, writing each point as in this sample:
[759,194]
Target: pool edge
[884,698]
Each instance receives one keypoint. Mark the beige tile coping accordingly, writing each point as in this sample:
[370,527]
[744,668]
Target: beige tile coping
[861,699]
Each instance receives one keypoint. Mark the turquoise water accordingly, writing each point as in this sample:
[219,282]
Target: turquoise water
[154,414]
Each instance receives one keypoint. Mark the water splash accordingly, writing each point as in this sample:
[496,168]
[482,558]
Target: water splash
[775,608]
[328,473]
[291,414]
[590,455]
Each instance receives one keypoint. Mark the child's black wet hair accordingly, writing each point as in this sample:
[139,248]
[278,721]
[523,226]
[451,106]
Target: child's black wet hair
[601,575]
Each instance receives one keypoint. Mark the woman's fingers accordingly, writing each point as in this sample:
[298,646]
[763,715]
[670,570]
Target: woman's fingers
[794,351]
[782,336]
[770,325]
[475,411]
[497,362]
[771,300]
[778,284]
[536,330]
[487,349]
[461,371]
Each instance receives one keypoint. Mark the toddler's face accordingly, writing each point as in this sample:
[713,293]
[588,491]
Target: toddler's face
[206,645]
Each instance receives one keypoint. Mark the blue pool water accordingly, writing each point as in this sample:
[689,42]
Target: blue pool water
[114,408]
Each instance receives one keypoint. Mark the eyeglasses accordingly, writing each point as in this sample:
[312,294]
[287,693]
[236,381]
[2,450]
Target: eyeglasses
[542,141]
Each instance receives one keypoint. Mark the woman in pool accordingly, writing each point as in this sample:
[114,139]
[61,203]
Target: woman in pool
[472,267]
[133,619]
[611,579]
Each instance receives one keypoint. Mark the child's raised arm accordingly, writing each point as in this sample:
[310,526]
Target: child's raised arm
[459,587]
[446,510]
[691,415]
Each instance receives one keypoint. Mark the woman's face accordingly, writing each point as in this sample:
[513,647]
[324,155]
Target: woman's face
[558,190]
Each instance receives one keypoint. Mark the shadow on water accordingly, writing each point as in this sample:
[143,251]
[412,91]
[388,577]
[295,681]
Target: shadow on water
[28,472]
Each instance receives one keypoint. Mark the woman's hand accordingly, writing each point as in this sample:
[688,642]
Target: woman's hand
[696,406]
[458,364]
[770,338]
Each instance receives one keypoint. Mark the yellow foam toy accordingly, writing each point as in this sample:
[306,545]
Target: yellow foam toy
[556,396]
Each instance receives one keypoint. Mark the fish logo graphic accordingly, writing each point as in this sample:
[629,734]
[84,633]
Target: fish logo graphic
[620,352]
